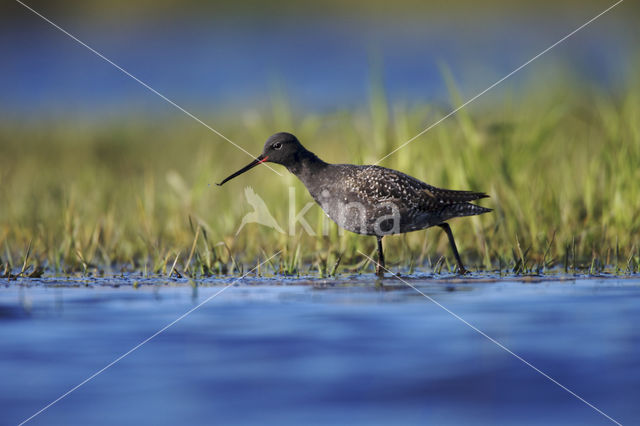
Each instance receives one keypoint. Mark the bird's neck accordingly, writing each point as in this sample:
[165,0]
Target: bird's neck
[307,164]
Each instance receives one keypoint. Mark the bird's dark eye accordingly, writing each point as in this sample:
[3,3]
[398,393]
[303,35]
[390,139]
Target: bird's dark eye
[276,145]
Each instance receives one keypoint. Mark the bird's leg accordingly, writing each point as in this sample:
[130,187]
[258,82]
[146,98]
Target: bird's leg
[380,264]
[447,229]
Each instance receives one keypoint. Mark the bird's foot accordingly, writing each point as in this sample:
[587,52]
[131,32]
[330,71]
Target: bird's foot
[462,270]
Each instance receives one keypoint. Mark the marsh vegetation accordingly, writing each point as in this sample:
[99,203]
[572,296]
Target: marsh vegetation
[560,163]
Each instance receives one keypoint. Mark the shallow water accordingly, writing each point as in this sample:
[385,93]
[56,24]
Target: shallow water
[313,351]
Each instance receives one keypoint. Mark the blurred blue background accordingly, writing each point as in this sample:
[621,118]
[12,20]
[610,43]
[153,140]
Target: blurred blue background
[227,56]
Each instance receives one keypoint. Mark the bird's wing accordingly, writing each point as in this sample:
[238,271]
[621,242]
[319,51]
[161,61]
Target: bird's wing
[379,184]
[449,196]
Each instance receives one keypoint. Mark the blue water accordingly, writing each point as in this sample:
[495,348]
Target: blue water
[344,351]
[217,63]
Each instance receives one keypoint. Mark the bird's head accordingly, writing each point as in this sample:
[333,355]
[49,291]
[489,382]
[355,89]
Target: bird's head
[282,148]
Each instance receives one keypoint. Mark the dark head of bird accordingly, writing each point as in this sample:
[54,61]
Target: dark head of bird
[282,148]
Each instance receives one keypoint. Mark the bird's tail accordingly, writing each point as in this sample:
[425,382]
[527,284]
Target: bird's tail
[451,196]
[467,209]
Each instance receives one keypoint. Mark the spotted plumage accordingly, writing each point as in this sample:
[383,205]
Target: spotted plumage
[379,191]
[370,200]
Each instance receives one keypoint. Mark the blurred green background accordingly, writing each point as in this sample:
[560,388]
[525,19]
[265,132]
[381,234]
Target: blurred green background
[97,173]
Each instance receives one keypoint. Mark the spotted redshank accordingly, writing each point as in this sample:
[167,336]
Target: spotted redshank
[370,200]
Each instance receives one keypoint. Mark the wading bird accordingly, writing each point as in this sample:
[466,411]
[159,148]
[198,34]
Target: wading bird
[370,200]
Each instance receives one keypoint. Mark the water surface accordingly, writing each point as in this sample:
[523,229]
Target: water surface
[316,351]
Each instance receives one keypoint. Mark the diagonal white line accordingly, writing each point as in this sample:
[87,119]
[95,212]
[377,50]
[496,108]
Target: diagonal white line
[145,85]
[500,345]
[136,347]
[499,81]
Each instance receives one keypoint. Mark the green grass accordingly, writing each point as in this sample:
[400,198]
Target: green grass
[561,163]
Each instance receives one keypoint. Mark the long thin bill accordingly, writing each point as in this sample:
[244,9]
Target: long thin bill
[248,167]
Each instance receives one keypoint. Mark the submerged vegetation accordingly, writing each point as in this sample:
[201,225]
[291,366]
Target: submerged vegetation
[561,164]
